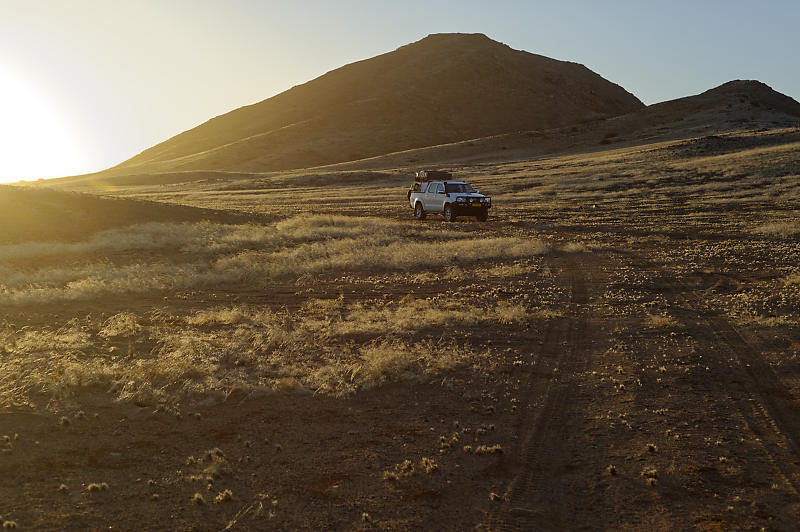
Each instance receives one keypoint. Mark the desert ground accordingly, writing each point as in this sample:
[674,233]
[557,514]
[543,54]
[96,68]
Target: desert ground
[617,348]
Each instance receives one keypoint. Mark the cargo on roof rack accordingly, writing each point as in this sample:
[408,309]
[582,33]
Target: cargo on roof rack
[428,175]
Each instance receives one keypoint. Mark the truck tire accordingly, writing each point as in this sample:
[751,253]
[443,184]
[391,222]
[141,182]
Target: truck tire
[419,212]
[449,215]
[483,216]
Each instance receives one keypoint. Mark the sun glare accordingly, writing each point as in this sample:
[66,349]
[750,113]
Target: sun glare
[34,140]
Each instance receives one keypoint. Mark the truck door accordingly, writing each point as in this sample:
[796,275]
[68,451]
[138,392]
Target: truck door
[439,198]
[428,197]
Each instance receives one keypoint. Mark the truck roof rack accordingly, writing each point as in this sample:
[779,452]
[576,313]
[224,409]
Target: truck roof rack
[429,175]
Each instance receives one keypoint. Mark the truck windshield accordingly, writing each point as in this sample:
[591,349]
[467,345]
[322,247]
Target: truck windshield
[456,188]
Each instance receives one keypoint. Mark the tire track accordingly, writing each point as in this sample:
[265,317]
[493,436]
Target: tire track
[765,404]
[532,499]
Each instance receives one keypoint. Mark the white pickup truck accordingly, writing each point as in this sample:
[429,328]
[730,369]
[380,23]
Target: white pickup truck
[450,198]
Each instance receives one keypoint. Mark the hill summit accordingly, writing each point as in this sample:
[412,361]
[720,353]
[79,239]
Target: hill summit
[443,88]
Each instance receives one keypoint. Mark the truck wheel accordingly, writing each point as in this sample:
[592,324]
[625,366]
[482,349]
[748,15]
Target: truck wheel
[419,212]
[483,216]
[449,215]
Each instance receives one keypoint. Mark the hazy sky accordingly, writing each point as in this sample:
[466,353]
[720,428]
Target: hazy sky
[86,84]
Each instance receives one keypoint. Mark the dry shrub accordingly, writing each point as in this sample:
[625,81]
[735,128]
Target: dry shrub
[385,361]
[402,470]
[779,229]
[511,312]
[425,277]
[660,321]
[575,247]
[502,271]
[326,346]
[223,496]
[546,314]
[208,354]
[289,384]
[123,324]
[428,465]
[792,279]
[199,255]
[219,316]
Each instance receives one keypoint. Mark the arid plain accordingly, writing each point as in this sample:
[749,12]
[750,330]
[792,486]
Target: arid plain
[616,348]
[240,330]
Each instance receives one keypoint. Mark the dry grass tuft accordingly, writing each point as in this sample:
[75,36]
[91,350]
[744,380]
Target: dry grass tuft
[575,247]
[224,255]
[223,496]
[792,279]
[660,321]
[123,324]
[428,465]
[489,449]
[402,470]
[508,312]
[214,464]
[649,472]
[779,229]
[198,499]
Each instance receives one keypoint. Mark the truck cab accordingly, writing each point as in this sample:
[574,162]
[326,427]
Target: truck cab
[448,197]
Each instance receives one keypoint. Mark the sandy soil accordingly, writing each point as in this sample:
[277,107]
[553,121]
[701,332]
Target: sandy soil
[654,387]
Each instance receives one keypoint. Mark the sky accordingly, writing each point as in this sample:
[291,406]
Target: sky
[87,84]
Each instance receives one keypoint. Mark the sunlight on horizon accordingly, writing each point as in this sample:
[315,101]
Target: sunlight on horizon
[35,141]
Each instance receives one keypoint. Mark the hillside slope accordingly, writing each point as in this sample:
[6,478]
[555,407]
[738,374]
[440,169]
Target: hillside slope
[443,88]
[733,106]
[41,214]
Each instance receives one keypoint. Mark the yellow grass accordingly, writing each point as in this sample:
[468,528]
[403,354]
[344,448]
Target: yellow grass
[141,259]
[784,229]
[326,346]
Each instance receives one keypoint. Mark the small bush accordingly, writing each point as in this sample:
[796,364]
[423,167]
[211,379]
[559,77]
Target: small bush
[660,321]
[223,496]
[428,465]
[489,449]
[779,229]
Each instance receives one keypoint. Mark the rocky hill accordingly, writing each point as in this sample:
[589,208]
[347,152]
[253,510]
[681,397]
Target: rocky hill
[734,106]
[443,88]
